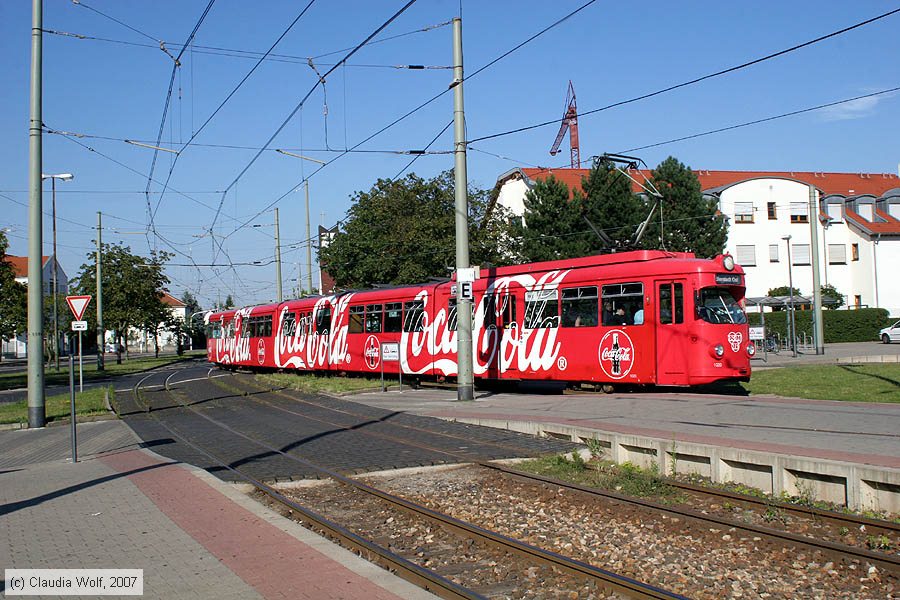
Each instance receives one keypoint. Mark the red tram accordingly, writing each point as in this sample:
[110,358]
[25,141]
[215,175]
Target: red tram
[638,317]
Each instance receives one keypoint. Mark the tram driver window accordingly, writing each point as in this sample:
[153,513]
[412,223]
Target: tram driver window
[623,304]
[542,309]
[580,307]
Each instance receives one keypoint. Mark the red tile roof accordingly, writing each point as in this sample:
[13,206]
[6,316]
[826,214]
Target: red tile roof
[891,227]
[20,264]
[844,184]
[172,301]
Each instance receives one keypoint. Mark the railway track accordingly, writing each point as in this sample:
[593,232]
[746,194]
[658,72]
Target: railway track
[569,570]
[833,519]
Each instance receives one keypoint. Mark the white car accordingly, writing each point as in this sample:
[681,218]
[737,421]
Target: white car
[890,334]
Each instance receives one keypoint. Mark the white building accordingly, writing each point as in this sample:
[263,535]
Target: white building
[17,346]
[858,226]
[168,339]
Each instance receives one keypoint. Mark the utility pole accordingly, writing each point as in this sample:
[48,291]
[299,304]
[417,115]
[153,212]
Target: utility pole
[278,291]
[818,325]
[309,278]
[36,413]
[101,333]
[465,389]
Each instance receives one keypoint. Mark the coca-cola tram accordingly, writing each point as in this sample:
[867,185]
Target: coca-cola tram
[638,317]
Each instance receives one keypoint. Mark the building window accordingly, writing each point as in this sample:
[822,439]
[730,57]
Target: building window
[773,252]
[745,256]
[770,208]
[801,254]
[837,254]
[743,212]
[854,252]
[799,212]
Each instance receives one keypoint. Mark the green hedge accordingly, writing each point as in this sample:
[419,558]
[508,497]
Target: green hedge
[860,325]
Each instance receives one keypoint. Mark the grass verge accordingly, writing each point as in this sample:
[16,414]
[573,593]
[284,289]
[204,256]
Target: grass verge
[856,383]
[625,478]
[89,402]
[319,383]
[19,379]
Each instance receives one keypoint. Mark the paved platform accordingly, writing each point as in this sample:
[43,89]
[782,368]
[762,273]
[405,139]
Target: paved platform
[194,536]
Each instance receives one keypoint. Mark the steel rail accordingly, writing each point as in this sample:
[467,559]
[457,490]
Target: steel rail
[874,526]
[840,551]
[406,569]
[607,579]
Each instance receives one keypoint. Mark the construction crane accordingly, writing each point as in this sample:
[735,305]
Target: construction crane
[570,122]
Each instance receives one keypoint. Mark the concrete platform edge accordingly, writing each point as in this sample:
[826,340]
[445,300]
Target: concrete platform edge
[858,486]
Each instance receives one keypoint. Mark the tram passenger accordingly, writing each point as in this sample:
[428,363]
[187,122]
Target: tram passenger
[620,318]
[639,317]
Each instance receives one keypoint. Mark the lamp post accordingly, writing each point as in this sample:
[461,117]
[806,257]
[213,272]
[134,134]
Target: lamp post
[792,324]
[53,178]
[308,234]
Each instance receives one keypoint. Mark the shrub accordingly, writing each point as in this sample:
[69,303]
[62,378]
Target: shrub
[860,325]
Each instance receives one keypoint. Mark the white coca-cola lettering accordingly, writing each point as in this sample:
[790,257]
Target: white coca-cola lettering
[309,349]
[622,354]
[234,349]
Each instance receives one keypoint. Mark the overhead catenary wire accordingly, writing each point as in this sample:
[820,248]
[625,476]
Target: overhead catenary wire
[416,109]
[696,80]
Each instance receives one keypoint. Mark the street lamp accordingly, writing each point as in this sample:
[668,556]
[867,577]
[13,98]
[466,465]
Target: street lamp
[792,324]
[308,234]
[53,178]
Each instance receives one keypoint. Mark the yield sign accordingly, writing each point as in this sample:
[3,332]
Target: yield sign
[78,304]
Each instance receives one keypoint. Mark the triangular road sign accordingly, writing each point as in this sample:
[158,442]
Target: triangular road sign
[77,304]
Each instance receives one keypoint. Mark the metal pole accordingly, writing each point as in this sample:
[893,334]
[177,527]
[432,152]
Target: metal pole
[309,279]
[465,381]
[793,324]
[55,295]
[818,325]
[278,291]
[36,413]
[72,408]
[101,334]
[80,366]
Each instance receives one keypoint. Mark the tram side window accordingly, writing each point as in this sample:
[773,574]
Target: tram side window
[451,315]
[506,309]
[373,318]
[393,318]
[247,327]
[671,304]
[264,326]
[542,309]
[357,315]
[288,324]
[622,302]
[305,323]
[323,320]
[580,307]
[415,316]
[214,331]
[229,329]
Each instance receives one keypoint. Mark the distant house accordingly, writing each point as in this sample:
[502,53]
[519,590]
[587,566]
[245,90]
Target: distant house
[20,266]
[168,339]
[857,225]
[16,347]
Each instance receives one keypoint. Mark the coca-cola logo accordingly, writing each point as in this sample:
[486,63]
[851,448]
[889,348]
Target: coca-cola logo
[616,354]
[261,352]
[372,352]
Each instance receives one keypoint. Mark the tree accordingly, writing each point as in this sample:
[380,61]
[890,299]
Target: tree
[194,328]
[610,205]
[553,226]
[403,231]
[782,291]
[229,302]
[686,221]
[133,287]
[829,291]
[13,297]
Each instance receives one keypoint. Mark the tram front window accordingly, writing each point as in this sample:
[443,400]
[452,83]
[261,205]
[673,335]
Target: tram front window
[717,305]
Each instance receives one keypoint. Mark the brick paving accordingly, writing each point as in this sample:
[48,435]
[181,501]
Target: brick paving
[193,536]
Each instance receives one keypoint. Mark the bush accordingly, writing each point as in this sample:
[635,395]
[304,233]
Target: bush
[860,325]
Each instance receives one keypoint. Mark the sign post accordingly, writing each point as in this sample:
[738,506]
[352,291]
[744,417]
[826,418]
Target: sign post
[390,351]
[78,304]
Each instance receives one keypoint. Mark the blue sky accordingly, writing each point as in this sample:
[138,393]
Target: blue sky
[609,50]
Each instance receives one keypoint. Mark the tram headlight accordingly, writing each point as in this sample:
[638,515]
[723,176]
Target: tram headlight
[719,350]
[751,349]
[728,262]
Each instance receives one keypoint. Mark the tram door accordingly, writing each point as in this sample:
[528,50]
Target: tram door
[672,343]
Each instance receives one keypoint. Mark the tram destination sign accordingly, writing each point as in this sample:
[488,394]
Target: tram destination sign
[728,278]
